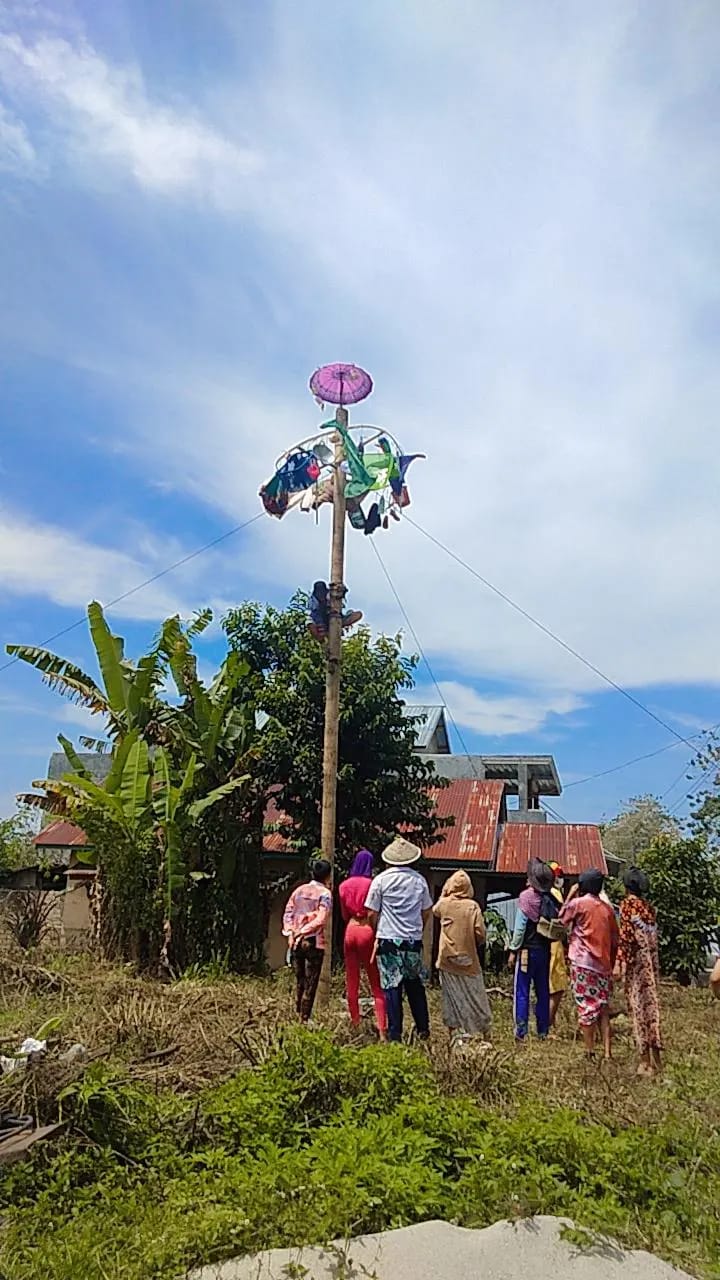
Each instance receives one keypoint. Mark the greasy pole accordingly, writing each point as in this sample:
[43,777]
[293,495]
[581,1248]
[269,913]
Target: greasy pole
[332,683]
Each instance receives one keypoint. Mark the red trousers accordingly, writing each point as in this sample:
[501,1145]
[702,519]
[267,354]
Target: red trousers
[359,942]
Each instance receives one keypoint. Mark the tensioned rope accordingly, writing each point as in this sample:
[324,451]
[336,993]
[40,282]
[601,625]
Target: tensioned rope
[192,555]
[423,656]
[551,634]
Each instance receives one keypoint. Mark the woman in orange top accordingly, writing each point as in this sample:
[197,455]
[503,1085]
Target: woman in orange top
[639,964]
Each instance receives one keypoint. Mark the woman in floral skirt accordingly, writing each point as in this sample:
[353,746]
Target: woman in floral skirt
[638,962]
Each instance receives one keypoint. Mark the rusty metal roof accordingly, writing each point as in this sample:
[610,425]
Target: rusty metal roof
[61,835]
[576,846]
[273,841]
[476,807]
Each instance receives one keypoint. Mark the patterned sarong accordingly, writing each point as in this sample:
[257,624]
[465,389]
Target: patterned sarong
[398,960]
[592,992]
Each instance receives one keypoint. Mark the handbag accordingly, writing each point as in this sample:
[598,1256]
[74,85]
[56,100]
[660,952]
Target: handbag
[553,930]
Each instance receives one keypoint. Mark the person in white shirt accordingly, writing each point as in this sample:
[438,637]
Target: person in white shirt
[398,904]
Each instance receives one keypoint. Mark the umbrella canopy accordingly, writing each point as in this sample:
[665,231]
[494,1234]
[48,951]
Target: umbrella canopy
[341,384]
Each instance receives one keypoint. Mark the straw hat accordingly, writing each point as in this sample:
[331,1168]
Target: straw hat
[401,853]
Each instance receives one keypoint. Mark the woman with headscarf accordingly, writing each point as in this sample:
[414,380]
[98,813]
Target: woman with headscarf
[558,966]
[530,952]
[360,940]
[465,1006]
[639,963]
[593,947]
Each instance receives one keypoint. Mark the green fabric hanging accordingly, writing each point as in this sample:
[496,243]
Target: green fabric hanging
[361,479]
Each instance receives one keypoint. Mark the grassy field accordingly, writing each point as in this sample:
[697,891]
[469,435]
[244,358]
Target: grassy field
[204,1124]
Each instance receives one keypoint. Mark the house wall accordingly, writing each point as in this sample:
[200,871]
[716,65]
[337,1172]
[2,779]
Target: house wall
[76,916]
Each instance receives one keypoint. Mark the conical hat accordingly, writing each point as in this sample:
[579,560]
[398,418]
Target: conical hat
[401,853]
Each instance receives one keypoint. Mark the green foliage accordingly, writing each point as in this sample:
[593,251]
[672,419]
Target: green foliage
[176,827]
[322,1142]
[685,890]
[639,822]
[382,783]
[16,849]
[705,809]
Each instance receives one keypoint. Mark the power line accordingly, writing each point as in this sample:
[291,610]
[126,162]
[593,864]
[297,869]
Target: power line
[553,812]
[147,583]
[693,789]
[616,768]
[551,634]
[421,651]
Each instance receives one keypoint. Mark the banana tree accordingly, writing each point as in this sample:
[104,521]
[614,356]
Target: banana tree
[174,813]
[124,797]
[127,697]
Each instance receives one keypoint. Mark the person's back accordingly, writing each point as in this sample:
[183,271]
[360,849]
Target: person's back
[353,893]
[461,932]
[399,895]
[593,933]
[359,941]
[306,915]
[399,903]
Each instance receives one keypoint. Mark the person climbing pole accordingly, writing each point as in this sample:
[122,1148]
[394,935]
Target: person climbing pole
[320,612]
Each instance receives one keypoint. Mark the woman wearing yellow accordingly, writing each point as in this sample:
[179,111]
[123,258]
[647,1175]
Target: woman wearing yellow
[559,980]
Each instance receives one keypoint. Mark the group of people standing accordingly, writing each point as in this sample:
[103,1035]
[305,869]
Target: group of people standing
[583,930]
[384,919]
[558,942]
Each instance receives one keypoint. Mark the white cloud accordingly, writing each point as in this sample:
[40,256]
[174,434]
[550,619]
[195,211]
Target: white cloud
[41,559]
[82,719]
[17,154]
[108,117]
[511,220]
[498,715]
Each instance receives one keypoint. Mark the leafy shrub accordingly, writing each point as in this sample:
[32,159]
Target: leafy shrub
[323,1141]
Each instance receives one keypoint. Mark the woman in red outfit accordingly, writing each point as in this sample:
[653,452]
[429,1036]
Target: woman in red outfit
[360,940]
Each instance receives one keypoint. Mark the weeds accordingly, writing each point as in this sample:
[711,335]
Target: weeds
[254,1134]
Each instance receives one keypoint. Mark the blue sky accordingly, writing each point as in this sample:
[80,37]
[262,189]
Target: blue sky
[508,213]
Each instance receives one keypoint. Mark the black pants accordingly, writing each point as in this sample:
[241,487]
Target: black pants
[307,961]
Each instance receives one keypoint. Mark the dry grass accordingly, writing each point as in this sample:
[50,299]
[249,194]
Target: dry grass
[192,1033]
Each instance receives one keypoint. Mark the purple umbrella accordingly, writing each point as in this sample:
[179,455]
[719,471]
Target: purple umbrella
[340,384]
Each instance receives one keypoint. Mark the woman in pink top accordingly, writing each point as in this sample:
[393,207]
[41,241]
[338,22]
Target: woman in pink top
[594,939]
[360,940]
[306,915]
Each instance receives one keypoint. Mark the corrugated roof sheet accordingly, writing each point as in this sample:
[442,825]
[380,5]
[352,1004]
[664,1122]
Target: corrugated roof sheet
[427,719]
[476,808]
[61,835]
[576,846]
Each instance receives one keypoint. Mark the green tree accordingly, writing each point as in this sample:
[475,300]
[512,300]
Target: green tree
[685,890]
[382,783]
[16,835]
[641,820]
[705,792]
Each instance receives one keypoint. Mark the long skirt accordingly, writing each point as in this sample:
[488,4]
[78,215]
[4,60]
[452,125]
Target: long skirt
[641,990]
[558,969]
[465,1004]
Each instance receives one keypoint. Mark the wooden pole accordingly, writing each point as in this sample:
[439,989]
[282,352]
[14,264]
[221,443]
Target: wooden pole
[332,683]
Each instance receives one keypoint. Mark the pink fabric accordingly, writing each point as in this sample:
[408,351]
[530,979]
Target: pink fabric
[353,893]
[359,942]
[530,902]
[307,912]
[594,933]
